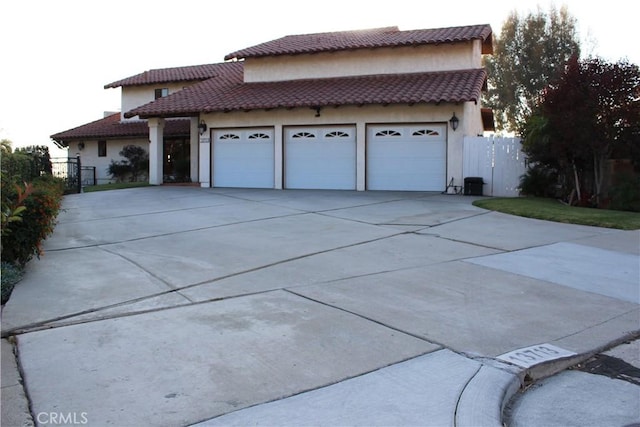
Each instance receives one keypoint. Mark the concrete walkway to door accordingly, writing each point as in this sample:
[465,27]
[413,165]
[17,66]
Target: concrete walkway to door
[173,306]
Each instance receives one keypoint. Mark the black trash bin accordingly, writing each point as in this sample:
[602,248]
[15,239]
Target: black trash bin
[473,186]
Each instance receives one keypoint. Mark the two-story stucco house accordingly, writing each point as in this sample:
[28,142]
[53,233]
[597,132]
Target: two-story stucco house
[378,109]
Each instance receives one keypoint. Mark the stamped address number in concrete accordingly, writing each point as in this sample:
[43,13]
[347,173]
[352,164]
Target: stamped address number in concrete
[529,356]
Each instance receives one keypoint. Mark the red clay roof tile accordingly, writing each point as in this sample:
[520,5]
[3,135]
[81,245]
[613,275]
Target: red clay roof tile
[364,39]
[168,75]
[234,95]
[112,127]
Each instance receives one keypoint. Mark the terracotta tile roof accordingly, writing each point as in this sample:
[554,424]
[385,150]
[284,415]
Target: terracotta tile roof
[234,95]
[365,39]
[111,127]
[167,75]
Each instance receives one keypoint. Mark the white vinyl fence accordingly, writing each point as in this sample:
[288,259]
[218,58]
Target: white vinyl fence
[499,161]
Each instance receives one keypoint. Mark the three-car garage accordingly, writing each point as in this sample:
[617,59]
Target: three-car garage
[401,157]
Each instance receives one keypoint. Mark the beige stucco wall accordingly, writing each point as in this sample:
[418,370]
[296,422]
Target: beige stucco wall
[458,56]
[135,96]
[89,155]
[468,113]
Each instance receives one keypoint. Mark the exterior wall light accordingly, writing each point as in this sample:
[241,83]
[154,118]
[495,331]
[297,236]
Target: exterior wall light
[203,127]
[454,121]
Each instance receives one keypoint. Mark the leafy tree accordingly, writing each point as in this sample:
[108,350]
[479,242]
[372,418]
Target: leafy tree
[590,114]
[528,53]
[40,159]
[5,146]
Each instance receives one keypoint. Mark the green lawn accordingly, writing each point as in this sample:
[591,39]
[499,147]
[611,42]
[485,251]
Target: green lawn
[116,186]
[553,210]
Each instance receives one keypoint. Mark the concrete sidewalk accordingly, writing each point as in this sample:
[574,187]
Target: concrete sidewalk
[178,306]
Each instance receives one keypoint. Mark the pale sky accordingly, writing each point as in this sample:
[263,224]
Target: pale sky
[58,55]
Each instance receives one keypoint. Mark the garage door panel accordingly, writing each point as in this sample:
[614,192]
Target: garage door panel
[406,157]
[243,158]
[320,158]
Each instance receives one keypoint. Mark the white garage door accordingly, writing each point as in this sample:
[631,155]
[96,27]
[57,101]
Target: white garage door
[406,157]
[320,157]
[243,158]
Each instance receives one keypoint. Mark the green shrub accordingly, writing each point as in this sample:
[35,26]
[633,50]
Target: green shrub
[119,170]
[136,163]
[13,199]
[625,193]
[23,238]
[10,274]
[538,181]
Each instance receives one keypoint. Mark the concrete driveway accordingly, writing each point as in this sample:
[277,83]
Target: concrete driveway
[180,305]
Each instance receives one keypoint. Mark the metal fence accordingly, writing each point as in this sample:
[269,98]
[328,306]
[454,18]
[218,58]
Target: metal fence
[74,174]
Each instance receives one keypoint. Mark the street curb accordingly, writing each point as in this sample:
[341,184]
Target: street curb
[548,369]
[483,399]
[15,404]
[553,367]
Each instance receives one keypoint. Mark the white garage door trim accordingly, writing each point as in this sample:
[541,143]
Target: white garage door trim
[406,157]
[320,157]
[243,158]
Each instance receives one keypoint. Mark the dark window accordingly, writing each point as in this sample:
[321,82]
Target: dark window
[162,92]
[388,132]
[425,132]
[102,148]
[337,134]
[303,135]
[259,135]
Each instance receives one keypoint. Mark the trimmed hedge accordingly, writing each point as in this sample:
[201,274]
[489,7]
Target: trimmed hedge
[10,275]
[22,239]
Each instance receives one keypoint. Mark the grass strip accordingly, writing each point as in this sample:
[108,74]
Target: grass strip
[553,210]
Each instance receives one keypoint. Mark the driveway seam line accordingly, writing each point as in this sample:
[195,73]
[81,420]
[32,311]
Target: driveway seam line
[174,233]
[50,323]
[138,214]
[155,276]
[42,324]
[630,333]
[393,328]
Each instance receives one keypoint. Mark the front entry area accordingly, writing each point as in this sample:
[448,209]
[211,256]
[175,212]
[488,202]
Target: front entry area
[243,158]
[406,157]
[176,164]
[320,157]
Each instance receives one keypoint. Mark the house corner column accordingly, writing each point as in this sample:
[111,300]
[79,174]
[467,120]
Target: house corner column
[194,139]
[204,159]
[156,150]
[361,162]
[278,160]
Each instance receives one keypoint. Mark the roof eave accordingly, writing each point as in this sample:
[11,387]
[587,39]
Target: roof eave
[163,115]
[315,105]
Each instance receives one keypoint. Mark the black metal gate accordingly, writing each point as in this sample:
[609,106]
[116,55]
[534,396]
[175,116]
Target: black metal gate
[74,174]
